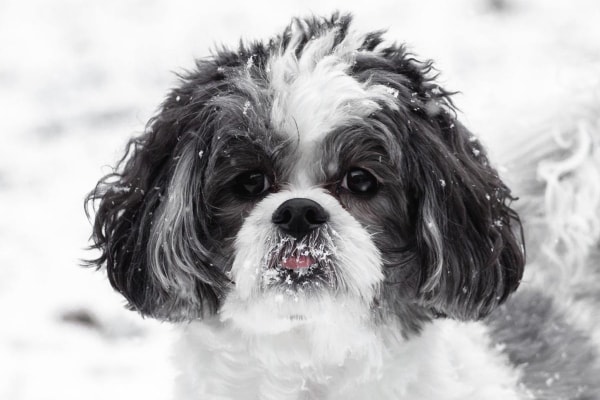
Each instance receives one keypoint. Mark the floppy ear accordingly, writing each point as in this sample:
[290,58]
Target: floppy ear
[468,239]
[150,225]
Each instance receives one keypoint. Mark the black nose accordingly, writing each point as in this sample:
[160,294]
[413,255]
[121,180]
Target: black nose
[298,217]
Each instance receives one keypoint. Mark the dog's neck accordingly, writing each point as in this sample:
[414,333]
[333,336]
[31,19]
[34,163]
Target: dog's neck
[448,360]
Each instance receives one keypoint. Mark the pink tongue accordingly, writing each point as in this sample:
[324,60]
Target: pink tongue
[297,262]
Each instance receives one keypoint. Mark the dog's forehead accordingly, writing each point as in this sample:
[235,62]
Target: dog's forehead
[301,100]
[311,89]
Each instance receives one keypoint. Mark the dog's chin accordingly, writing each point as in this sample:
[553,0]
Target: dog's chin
[321,324]
[276,311]
[297,290]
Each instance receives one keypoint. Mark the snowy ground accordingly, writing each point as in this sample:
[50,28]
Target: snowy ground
[78,78]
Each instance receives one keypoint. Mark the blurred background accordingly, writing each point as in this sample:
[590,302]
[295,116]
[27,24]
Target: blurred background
[77,79]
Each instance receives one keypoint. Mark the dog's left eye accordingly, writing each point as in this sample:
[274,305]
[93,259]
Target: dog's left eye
[360,181]
[251,184]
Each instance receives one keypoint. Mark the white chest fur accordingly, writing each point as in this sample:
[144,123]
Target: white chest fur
[449,360]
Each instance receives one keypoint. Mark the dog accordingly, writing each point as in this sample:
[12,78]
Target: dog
[314,216]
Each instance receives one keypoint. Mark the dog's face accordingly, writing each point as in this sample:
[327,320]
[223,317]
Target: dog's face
[323,169]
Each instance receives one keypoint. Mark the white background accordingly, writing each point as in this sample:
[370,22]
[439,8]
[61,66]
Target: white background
[77,79]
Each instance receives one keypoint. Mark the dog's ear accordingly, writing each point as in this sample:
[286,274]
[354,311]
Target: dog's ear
[468,239]
[150,225]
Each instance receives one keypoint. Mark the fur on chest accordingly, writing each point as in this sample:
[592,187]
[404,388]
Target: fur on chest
[448,360]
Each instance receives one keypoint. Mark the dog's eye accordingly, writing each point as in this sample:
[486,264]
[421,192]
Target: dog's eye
[360,181]
[251,184]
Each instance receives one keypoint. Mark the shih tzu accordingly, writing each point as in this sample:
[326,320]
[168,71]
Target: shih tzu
[313,213]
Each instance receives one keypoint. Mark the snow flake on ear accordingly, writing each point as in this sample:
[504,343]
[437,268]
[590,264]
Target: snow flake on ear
[121,189]
[250,62]
[246,107]
[392,91]
[436,91]
[433,108]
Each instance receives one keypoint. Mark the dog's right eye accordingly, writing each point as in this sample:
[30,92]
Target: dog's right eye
[251,184]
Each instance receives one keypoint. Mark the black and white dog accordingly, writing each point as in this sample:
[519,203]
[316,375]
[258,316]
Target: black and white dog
[313,211]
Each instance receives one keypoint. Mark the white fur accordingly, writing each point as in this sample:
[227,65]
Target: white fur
[556,174]
[437,245]
[314,93]
[169,269]
[449,360]
[572,202]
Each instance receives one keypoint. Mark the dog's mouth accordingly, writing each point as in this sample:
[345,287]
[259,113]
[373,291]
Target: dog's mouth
[298,262]
[299,266]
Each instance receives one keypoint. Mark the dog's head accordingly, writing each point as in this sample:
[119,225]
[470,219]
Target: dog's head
[324,167]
